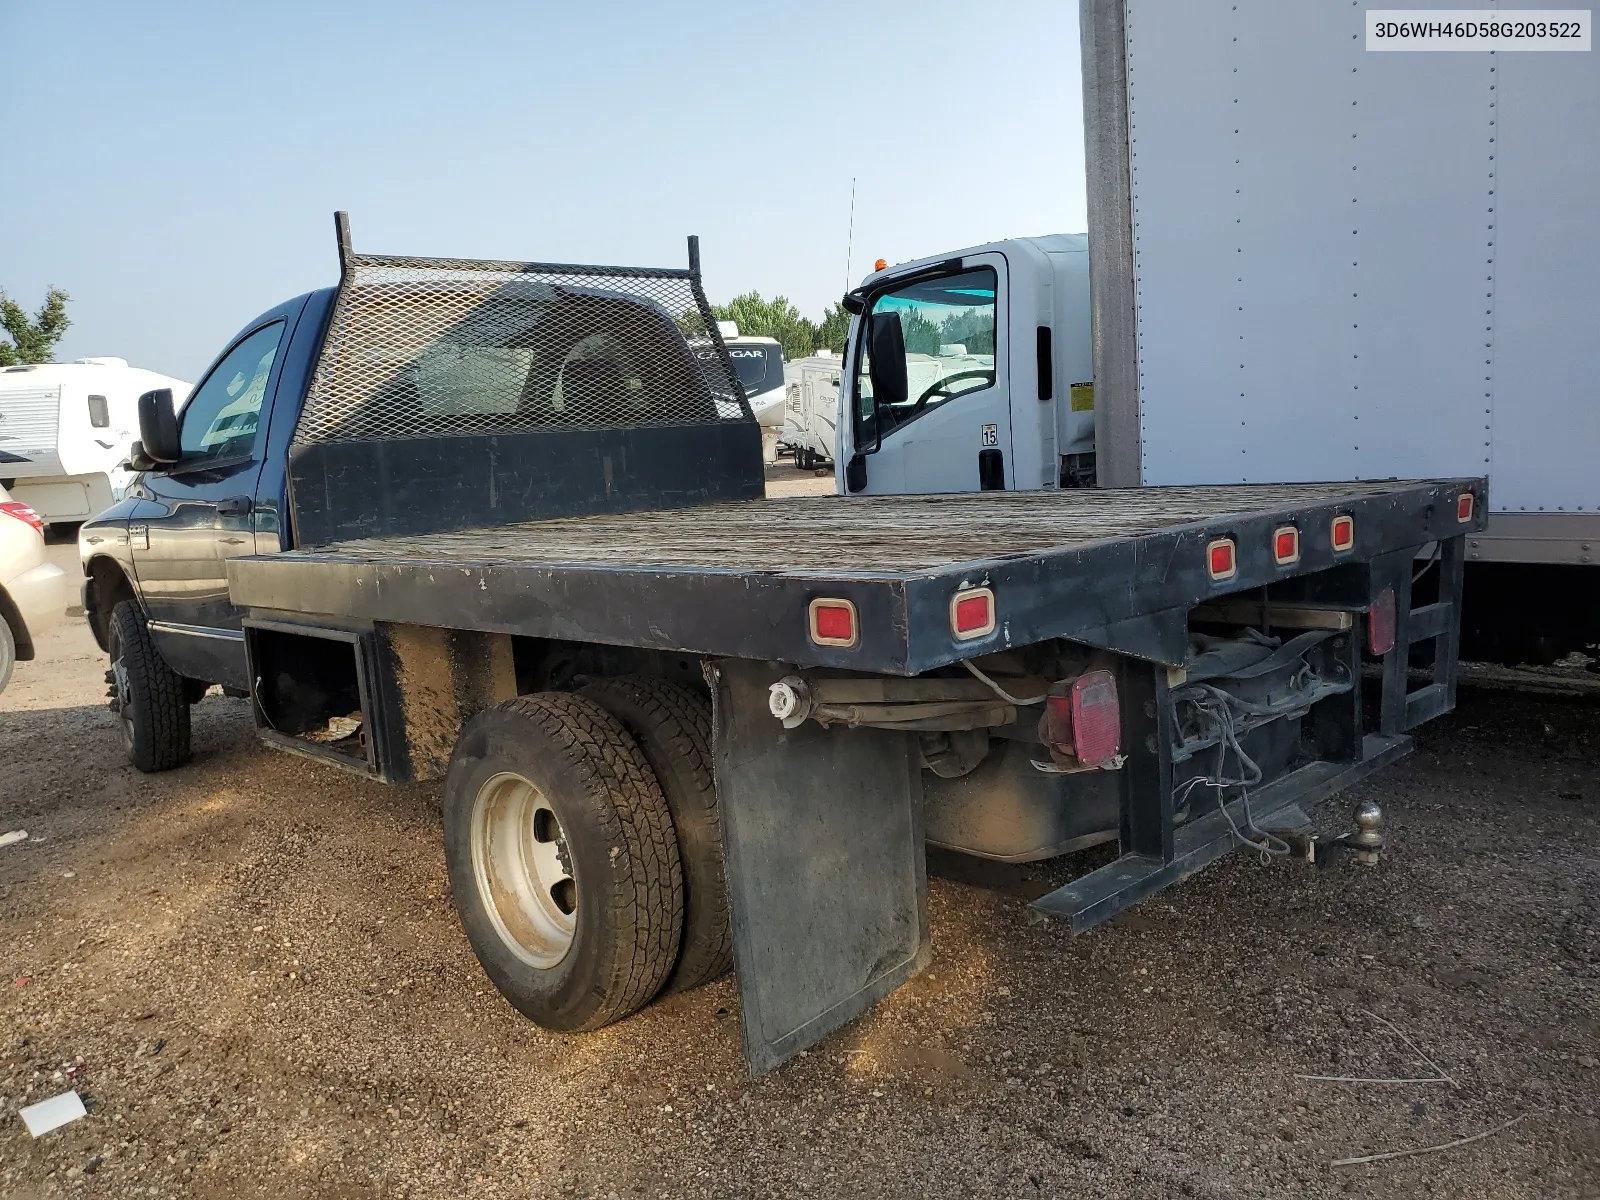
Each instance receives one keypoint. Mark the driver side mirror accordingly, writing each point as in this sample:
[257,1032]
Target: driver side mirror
[888,366]
[158,442]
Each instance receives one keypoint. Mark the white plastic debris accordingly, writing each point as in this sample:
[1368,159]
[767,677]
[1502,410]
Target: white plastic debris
[53,1113]
[12,838]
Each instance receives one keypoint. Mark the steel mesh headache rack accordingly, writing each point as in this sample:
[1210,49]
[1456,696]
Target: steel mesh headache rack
[453,392]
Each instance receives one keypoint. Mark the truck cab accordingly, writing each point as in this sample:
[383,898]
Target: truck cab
[998,369]
[167,542]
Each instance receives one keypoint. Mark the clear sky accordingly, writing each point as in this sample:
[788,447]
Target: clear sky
[175,166]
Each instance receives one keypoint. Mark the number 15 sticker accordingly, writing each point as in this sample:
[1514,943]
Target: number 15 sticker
[991,435]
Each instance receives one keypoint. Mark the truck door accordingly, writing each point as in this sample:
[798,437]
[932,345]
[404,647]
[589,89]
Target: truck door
[953,431]
[199,512]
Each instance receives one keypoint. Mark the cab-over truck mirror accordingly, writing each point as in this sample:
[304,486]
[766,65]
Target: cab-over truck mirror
[888,366]
[158,441]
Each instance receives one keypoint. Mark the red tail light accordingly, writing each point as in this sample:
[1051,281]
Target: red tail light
[22,513]
[1096,719]
[972,614]
[1380,623]
[1220,559]
[833,622]
[1082,721]
[1342,533]
[1464,506]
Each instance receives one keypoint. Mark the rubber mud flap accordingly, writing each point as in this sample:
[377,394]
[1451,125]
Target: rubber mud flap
[827,883]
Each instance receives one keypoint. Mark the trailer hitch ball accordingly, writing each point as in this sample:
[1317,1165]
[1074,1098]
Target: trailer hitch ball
[790,701]
[1368,839]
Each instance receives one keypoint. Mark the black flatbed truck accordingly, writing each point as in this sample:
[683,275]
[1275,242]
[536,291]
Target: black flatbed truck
[525,549]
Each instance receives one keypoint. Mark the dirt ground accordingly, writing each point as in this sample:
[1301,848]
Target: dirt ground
[251,971]
[785,479]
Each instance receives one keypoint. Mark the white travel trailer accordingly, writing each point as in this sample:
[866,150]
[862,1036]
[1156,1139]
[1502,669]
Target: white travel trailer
[811,408]
[65,429]
[759,363]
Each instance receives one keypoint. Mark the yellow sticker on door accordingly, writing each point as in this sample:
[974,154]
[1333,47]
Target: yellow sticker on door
[1083,397]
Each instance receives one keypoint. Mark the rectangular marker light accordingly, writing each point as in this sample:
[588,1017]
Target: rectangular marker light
[1220,559]
[833,622]
[972,614]
[1286,545]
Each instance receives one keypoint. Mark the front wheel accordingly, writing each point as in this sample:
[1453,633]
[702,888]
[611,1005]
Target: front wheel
[563,865]
[146,694]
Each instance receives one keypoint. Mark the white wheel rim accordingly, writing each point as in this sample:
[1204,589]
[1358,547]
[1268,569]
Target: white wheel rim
[523,870]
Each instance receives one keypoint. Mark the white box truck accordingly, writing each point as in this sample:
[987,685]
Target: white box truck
[65,429]
[1310,261]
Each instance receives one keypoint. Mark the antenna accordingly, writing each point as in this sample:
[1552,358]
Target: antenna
[850,239]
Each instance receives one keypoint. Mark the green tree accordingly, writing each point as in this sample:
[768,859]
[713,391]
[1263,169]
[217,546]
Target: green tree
[775,318]
[835,328]
[972,328]
[921,336]
[33,339]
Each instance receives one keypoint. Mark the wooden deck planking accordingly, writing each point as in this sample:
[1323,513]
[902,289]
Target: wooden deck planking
[850,533]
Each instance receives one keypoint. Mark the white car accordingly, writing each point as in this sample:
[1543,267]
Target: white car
[33,592]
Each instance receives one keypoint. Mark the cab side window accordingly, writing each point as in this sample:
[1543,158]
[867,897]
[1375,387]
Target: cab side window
[219,423]
[948,327]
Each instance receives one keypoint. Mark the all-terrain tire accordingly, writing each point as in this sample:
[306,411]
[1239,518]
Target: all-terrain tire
[614,828]
[672,724]
[152,708]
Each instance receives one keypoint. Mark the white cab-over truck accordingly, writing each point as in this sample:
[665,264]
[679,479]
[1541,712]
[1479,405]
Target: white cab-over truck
[998,362]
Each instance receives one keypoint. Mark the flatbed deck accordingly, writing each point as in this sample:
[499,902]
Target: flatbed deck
[849,535]
[733,579]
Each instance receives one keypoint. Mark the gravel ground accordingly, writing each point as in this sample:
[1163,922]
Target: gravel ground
[785,479]
[251,971]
